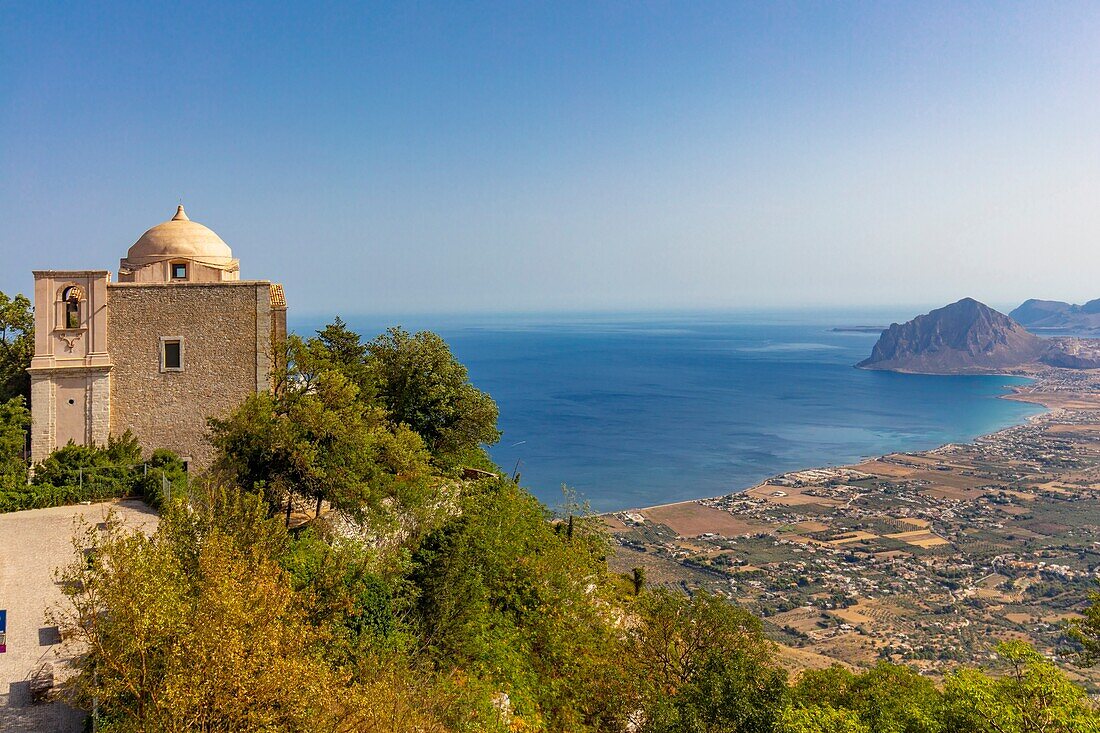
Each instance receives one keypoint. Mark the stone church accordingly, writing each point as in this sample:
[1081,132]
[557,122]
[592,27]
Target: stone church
[177,339]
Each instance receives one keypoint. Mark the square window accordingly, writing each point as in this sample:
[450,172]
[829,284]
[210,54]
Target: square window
[171,355]
[179,271]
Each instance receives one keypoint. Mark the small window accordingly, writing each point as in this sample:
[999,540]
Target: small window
[179,270]
[171,355]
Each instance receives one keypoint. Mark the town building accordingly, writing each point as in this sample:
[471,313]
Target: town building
[177,339]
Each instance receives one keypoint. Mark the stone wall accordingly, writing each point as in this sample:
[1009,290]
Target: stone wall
[226,333]
[72,403]
[99,406]
[43,440]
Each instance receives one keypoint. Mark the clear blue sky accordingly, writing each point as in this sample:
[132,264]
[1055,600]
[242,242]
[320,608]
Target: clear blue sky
[527,156]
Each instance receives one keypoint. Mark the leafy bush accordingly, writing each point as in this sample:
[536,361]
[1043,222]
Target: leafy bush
[15,420]
[79,473]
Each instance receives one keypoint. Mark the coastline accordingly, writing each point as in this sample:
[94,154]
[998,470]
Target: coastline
[856,563]
[1014,394]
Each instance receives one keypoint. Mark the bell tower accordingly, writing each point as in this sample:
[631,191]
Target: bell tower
[71,369]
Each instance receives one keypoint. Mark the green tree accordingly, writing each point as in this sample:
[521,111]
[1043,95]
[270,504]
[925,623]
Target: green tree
[321,443]
[1086,631]
[199,627]
[16,346]
[821,719]
[704,665]
[638,580]
[162,471]
[194,627]
[15,421]
[423,386]
[335,348]
[516,605]
[1032,696]
[887,698]
[347,595]
[338,347]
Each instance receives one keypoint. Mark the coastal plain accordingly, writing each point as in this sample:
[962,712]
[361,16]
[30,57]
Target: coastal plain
[929,558]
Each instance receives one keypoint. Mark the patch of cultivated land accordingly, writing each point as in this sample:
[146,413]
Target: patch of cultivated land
[929,558]
[33,545]
[690,519]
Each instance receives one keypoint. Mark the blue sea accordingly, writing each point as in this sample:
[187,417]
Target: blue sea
[642,409]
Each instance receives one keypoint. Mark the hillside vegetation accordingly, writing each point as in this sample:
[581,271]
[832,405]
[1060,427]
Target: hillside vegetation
[426,601]
[488,613]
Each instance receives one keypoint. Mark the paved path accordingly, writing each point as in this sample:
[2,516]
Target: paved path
[33,544]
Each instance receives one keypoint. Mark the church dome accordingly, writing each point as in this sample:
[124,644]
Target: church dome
[179,237]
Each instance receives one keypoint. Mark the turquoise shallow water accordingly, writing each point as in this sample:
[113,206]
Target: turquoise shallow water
[640,410]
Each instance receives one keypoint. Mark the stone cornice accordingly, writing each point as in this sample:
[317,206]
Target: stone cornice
[74,369]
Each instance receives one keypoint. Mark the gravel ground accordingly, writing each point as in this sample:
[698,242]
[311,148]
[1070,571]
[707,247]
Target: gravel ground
[33,544]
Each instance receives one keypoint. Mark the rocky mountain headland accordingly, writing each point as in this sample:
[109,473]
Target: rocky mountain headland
[970,337]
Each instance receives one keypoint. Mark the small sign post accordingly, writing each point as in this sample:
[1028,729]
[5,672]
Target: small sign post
[3,631]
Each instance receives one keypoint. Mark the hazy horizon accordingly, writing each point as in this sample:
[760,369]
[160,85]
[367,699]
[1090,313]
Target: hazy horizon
[611,157]
[804,315]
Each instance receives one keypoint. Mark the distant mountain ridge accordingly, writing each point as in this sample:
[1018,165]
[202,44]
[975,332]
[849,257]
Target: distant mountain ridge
[1057,314]
[960,337]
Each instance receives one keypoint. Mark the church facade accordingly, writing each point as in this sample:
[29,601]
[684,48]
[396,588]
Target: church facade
[178,338]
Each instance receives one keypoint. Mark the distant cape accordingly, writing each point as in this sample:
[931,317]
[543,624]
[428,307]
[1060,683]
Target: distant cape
[966,336]
[1057,314]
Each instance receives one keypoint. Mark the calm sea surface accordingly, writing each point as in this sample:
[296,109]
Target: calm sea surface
[638,410]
